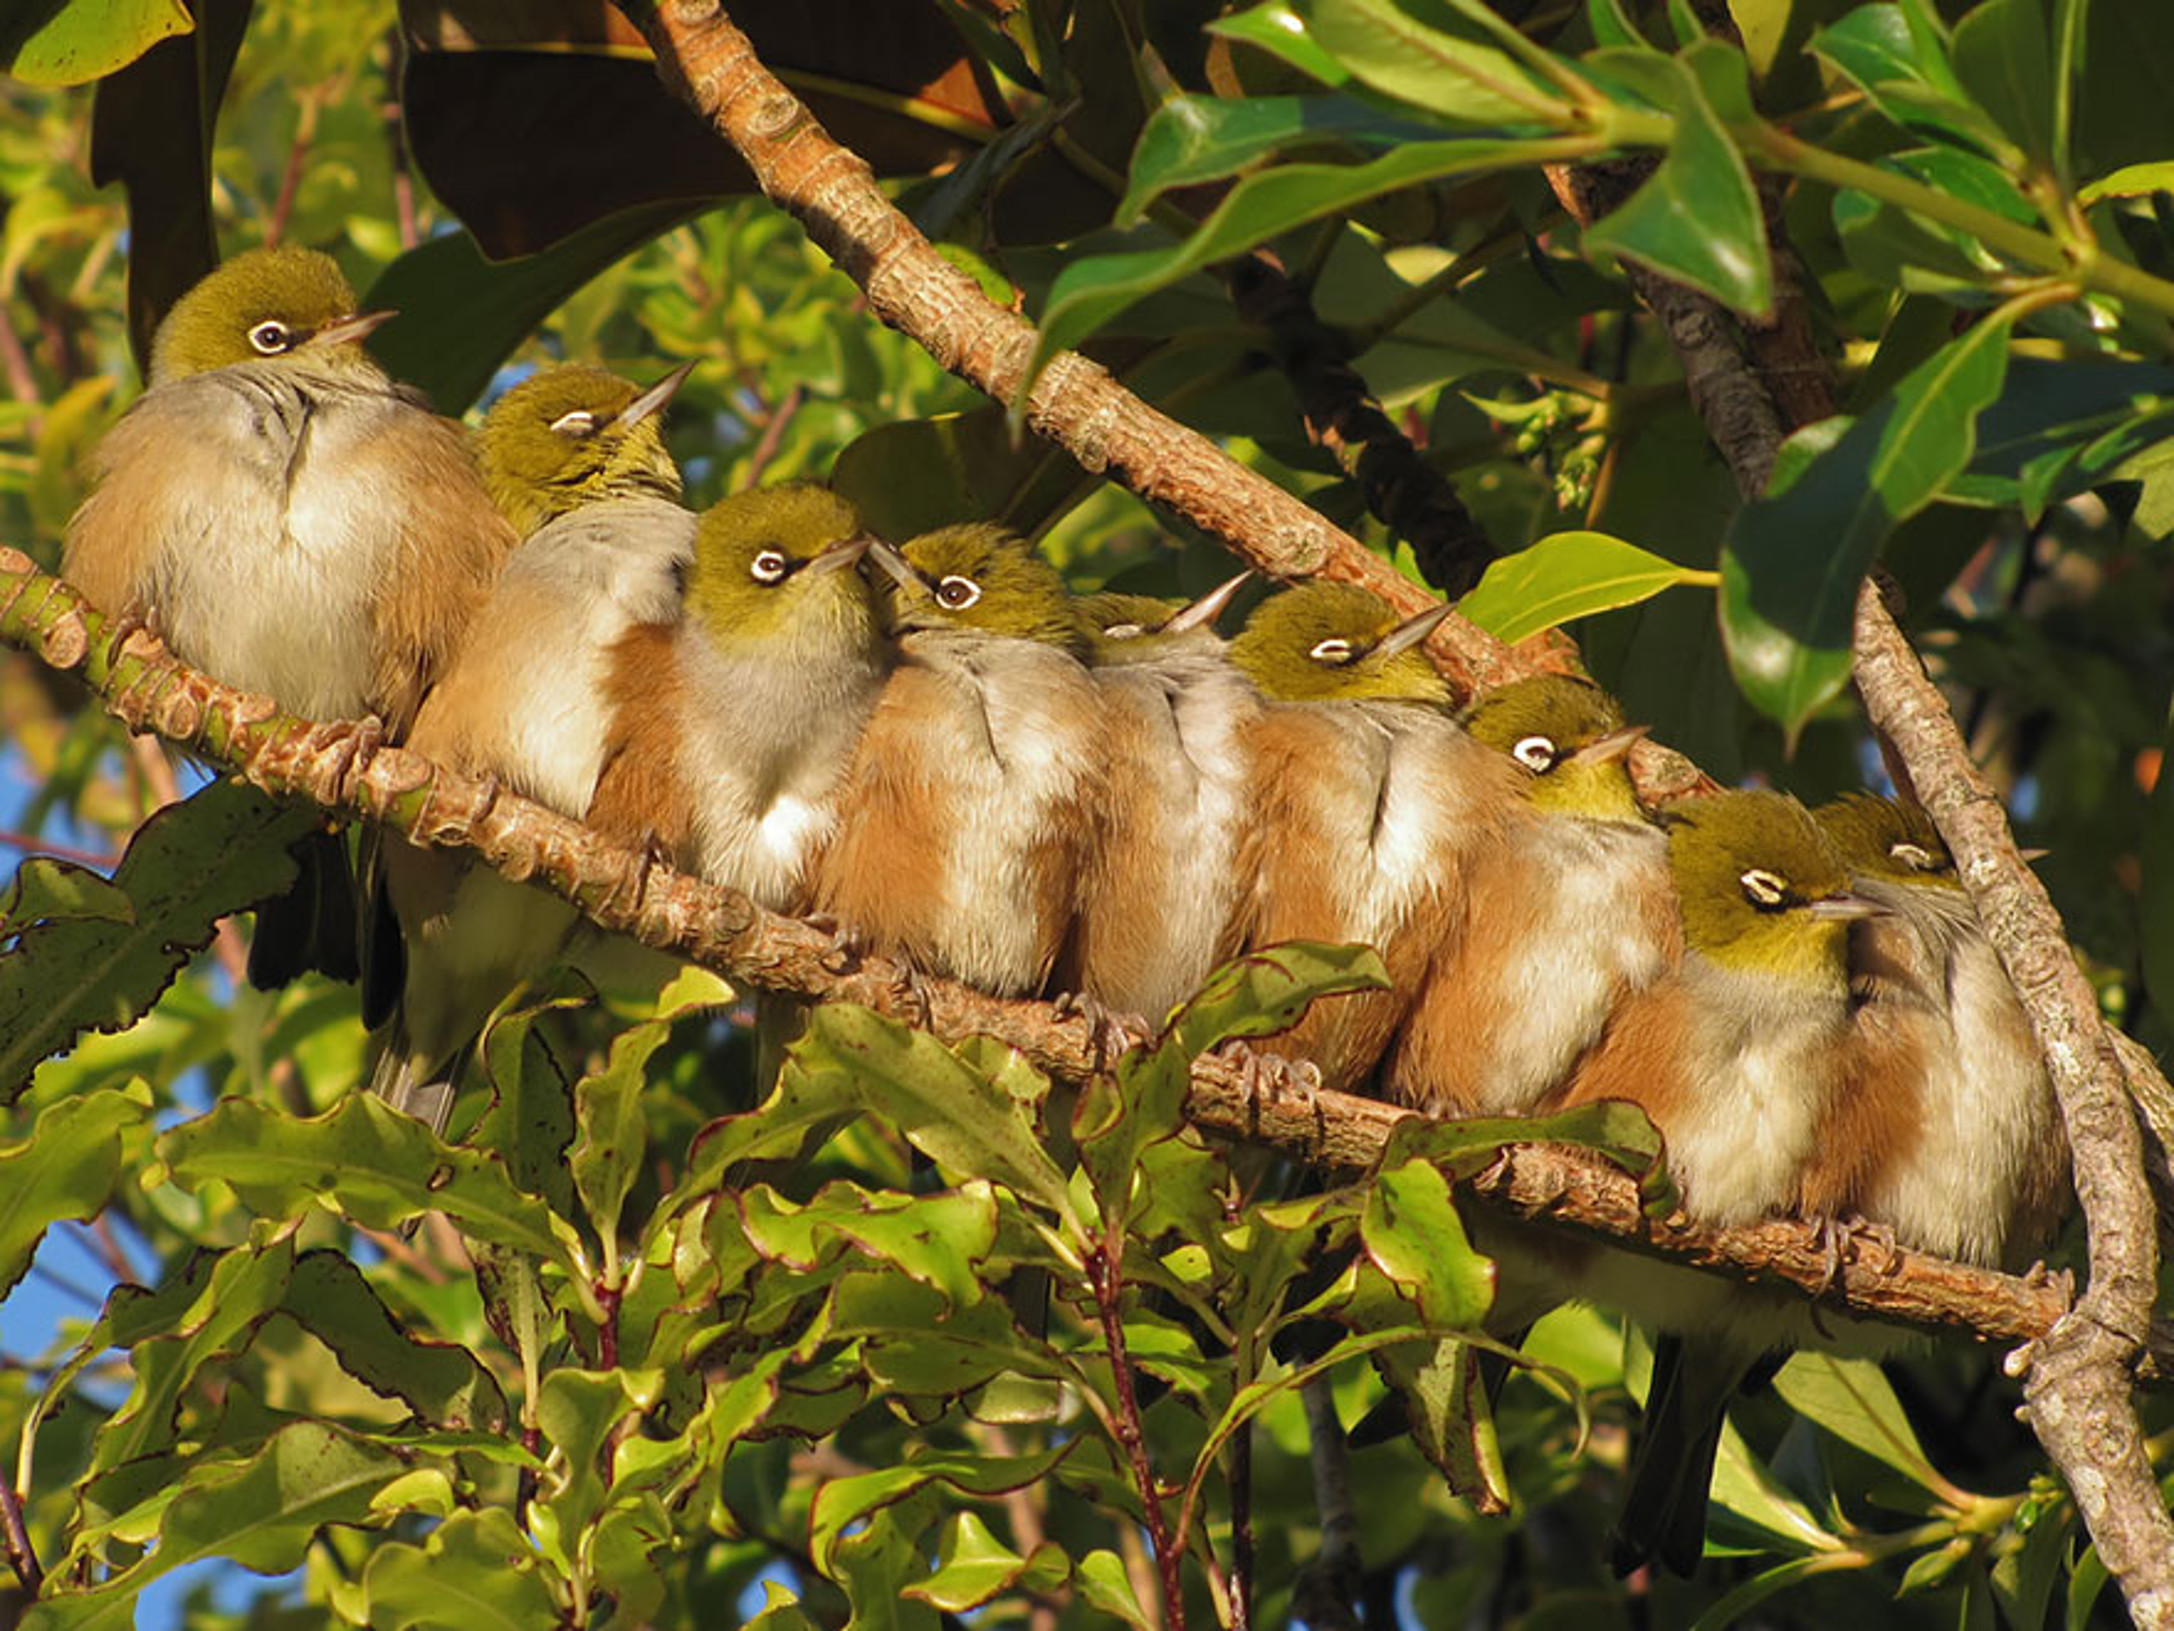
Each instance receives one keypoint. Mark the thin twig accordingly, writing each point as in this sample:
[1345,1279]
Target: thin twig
[30,843]
[1105,1275]
[22,1556]
[773,433]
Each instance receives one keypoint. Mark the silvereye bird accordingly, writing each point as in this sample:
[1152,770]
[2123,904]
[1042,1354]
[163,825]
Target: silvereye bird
[731,729]
[1161,899]
[1740,1055]
[1567,916]
[1972,1163]
[284,516]
[1370,805]
[977,794]
[576,457]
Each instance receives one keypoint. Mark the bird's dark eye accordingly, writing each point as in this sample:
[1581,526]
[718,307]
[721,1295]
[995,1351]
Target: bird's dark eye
[581,422]
[1332,651]
[770,566]
[1914,856]
[956,593]
[1535,753]
[1765,890]
[271,337]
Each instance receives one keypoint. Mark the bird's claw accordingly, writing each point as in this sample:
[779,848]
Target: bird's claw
[844,947]
[1109,1032]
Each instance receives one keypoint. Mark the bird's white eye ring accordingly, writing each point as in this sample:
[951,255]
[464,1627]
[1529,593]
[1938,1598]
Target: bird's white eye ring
[581,422]
[1332,650]
[956,593]
[1535,753]
[769,567]
[1914,856]
[1763,888]
[271,337]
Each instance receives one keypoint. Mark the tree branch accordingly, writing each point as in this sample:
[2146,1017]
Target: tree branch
[1260,1099]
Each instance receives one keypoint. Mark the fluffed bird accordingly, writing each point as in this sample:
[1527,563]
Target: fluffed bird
[288,519]
[1739,1055]
[1572,912]
[1162,898]
[576,456]
[1972,1162]
[732,729]
[1370,804]
[977,794]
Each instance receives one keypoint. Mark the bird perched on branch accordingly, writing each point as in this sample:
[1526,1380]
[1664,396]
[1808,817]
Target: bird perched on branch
[1740,1056]
[289,520]
[576,458]
[978,795]
[1570,913]
[1972,1161]
[1160,901]
[1370,805]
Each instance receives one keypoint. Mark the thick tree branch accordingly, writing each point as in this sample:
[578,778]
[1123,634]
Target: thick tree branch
[1262,1100]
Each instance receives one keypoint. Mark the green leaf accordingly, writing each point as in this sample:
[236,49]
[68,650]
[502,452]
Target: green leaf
[1897,58]
[1267,991]
[441,1382]
[262,1515]
[1191,139]
[1696,219]
[1793,561]
[66,1168]
[1413,1234]
[187,867]
[614,1133]
[1569,575]
[44,890]
[938,1240]
[371,1162]
[2004,58]
[1105,1587]
[530,1121]
[476,1572]
[972,1566]
[72,42]
[842,1503]
[2130,181]
[1281,29]
[1449,70]
[1851,1399]
[578,1411]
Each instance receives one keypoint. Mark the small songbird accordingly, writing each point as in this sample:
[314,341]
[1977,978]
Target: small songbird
[1739,1055]
[978,794]
[731,729]
[575,457]
[1161,900]
[287,518]
[1972,1163]
[1370,805]
[1565,918]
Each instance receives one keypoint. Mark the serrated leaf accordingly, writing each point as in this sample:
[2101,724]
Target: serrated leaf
[441,1382]
[1793,561]
[44,890]
[844,1502]
[369,1161]
[1569,575]
[1267,991]
[1412,1232]
[66,1168]
[72,42]
[1105,1587]
[578,1411]
[614,1133]
[188,866]
[476,1572]
[935,1239]
[972,1566]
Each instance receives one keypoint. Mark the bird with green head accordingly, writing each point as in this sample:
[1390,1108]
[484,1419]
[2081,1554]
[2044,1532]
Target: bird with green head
[572,436]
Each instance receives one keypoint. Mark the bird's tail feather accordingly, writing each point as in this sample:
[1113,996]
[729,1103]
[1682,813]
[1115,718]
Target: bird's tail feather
[1672,1468]
[406,1081]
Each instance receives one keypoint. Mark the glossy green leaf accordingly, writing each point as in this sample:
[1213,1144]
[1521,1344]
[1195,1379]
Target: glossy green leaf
[530,1119]
[972,1566]
[1191,139]
[1444,65]
[579,1410]
[441,1382]
[608,1109]
[1696,219]
[1569,575]
[372,1162]
[843,1502]
[1105,1587]
[1897,58]
[1267,991]
[1851,1399]
[1793,561]
[1412,1232]
[66,1168]
[936,1239]
[44,890]
[476,1572]
[1451,1419]
[2130,181]
[188,866]
[1281,29]
[72,42]
[2004,58]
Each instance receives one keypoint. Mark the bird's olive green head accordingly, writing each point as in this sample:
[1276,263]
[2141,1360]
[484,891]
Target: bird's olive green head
[266,305]
[571,436]
[1569,737]
[1124,628]
[1336,642]
[774,568]
[1760,888]
[983,578]
[1886,841]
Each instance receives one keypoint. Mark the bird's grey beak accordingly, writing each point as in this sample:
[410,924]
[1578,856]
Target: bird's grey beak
[654,399]
[1846,909]
[359,326]
[841,555]
[1609,748]
[1202,613]
[2031,857]
[1411,631]
[900,570]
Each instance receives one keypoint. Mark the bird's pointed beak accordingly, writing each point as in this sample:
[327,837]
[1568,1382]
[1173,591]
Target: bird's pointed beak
[900,570]
[654,399]
[2031,857]
[352,329]
[1609,748]
[1846,909]
[1411,631]
[1202,613]
[841,555]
